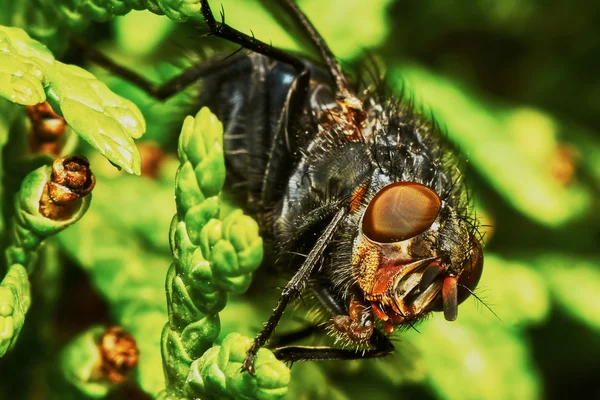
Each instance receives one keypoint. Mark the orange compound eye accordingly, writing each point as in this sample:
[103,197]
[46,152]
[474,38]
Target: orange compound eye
[400,211]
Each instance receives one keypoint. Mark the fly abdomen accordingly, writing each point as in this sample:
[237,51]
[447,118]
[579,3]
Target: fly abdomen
[252,97]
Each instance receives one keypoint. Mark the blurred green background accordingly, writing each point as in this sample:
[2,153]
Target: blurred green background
[515,86]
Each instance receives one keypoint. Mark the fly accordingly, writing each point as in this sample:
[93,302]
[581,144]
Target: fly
[348,176]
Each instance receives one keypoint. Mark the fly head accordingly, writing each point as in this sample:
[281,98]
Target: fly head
[413,254]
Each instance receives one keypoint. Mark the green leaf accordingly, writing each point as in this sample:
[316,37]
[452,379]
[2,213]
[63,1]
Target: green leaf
[479,361]
[474,356]
[79,362]
[515,290]
[177,10]
[15,299]
[218,372]
[30,227]
[163,118]
[21,75]
[575,283]
[212,258]
[29,74]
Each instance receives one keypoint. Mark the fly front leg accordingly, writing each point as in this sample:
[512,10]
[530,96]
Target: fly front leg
[380,344]
[357,326]
[293,288]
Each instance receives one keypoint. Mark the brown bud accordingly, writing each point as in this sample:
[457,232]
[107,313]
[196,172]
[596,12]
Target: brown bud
[119,353]
[47,129]
[73,174]
[72,179]
[563,164]
[152,156]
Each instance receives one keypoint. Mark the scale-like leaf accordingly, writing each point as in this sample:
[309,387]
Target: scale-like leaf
[29,74]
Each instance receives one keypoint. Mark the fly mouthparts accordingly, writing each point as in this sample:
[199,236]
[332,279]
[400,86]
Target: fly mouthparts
[432,271]
[409,278]
[425,298]
[450,297]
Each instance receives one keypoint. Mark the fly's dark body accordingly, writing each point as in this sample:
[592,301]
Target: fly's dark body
[250,98]
[361,197]
[295,177]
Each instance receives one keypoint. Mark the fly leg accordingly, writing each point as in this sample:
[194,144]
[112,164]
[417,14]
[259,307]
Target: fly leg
[356,325]
[380,344]
[315,37]
[294,336]
[293,289]
[224,31]
[203,69]
[160,92]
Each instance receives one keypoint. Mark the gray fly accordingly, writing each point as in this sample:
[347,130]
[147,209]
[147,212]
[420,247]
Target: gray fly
[347,175]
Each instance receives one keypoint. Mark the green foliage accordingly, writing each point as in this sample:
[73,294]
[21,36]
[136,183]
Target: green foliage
[30,75]
[177,10]
[21,78]
[128,274]
[15,300]
[575,281]
[79,363]
[524,136]
[27,231]
[51,22]
[217,372]
[212,258]
[492,79]
[29,226]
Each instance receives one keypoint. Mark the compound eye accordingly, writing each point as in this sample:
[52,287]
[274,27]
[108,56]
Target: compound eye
[400,211]
[473,267]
